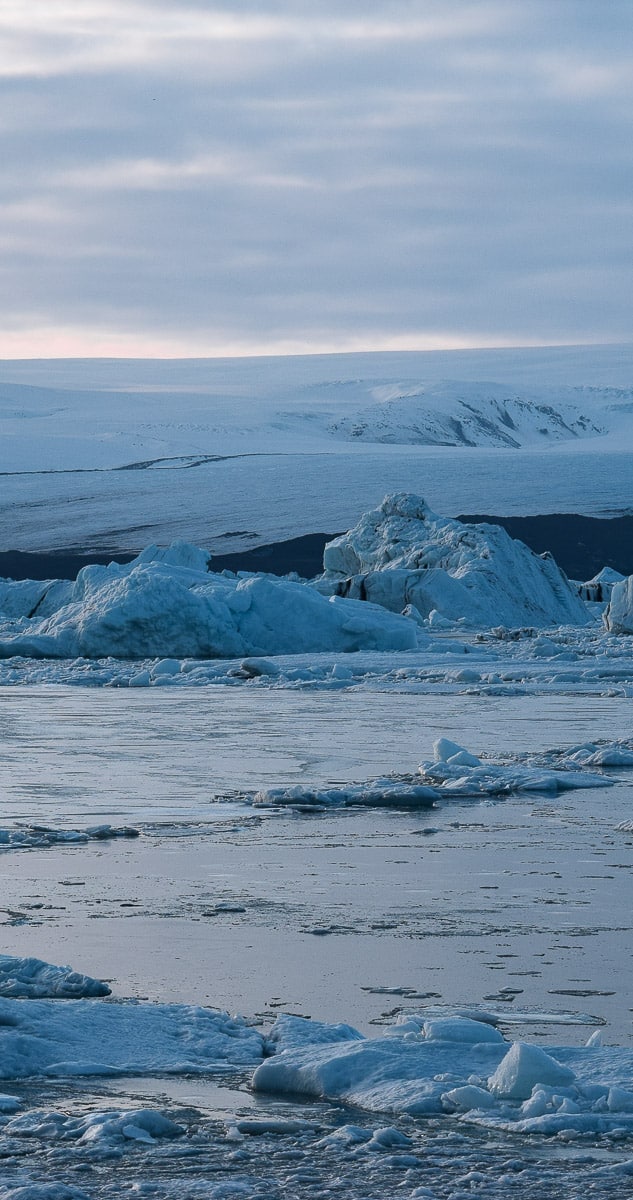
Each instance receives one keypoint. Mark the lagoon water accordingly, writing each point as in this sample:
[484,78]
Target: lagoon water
[518,903]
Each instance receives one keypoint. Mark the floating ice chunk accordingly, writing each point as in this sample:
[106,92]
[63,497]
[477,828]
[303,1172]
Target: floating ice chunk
[41,836]
[254,667]
[156,606]
[451,776]
[619,1100]
[524,1068]
[618,615]
[466,1098]
[447,751]
[460,1029]
[31,977]
[388,1137]
[378,794]
[345,1136]
[598,589]
[143,1125]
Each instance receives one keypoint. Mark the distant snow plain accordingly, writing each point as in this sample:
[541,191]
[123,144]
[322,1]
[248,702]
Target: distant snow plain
[109,455]
[504,906]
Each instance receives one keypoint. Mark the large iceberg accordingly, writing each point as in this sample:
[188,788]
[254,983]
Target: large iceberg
[167,603]
[402,554]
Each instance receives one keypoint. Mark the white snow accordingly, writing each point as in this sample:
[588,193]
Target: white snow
[450,413]
[232,453]
[404,554]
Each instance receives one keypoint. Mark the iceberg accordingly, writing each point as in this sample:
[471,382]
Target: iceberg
[165,603]
[402,554]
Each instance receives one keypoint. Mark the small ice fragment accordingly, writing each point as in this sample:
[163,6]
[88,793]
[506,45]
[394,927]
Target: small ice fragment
[523,1068]
[446,751]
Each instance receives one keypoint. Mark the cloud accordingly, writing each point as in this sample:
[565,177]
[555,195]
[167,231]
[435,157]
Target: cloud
[275,174]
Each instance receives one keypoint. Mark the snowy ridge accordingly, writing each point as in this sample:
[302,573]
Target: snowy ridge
[478,414]
[178,416]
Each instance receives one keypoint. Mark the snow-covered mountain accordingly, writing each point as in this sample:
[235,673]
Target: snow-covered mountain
[474,414]
[109,455]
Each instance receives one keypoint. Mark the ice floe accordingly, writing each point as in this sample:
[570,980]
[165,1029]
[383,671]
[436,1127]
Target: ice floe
[456,773]
[28,837]
[41,1037]
[464,1067]
[403,554]
[34,979]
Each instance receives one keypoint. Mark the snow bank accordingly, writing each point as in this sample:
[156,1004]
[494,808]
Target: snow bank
[32,978]
[464,1067]
[165,603]
[96,1037]
[618,616]
[403,554]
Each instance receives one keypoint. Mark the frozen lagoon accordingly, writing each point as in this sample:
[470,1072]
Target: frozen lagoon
[520,906]
[258,910]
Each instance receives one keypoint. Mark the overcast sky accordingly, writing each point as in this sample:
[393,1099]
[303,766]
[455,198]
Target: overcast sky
[287,176]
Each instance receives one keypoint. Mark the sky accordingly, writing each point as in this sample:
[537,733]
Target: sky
[285,176]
